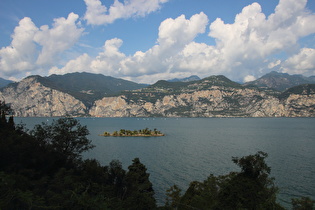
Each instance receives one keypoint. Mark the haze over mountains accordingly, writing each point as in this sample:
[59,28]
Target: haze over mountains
[4,82]
[86,94]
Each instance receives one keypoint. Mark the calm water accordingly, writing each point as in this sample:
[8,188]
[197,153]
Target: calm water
[193,148]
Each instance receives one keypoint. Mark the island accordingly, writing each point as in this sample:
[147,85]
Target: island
[136,133]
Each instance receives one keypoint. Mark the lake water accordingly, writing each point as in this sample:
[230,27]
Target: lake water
[194,148]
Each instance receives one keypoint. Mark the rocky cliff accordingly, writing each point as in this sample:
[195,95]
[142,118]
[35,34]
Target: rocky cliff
[214,102]
[214,96]
[31,98]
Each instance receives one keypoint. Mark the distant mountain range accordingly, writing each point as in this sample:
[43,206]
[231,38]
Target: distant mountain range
[281,81]
[86,94]
[4,82]
[186,79]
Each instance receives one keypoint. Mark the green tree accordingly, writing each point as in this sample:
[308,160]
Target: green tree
[173,197]
[65,136]
[252,188]
[139,194]
[116,178]
[115,133]
[5,110]
[303,203]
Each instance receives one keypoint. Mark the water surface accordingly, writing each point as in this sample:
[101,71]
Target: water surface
[194,148]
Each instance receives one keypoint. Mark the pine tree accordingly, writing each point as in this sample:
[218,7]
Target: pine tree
[139,188]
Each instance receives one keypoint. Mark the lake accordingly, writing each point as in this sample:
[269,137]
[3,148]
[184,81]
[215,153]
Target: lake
[194,148]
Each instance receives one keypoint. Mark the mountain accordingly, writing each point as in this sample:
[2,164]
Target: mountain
[281,81]
[35,97]
[89,87]
[186,79]
[4,82]
[59,95]
[214,96]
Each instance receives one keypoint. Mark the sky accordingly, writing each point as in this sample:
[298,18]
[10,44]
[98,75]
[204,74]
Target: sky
[148,40]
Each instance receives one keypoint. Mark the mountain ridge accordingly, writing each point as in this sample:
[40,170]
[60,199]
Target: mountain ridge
[281,81]
[186,79]
[4,82]
[213,96]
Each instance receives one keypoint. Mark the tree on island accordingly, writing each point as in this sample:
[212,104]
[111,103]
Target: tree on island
[143,132]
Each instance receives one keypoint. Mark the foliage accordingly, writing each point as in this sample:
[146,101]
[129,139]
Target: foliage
[88,87]
[249,189]
[44,170]
[65,136]
[304,203]
[139,189]
[144,132]
[173,196]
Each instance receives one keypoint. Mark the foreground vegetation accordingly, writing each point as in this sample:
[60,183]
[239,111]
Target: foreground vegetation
[43,169]
[128,133]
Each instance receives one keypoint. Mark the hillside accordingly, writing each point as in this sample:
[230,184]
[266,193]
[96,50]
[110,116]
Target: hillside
[89,87]
[214,96]
[281,81]
[4,82]
[186,79]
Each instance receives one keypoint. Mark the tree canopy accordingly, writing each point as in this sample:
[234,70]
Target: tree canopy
[65,135]
[251,188]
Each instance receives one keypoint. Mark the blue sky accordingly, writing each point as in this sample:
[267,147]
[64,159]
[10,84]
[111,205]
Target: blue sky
[148,40]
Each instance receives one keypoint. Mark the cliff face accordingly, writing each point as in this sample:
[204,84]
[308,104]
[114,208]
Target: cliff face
[30,98]
[211,97]
[215,102]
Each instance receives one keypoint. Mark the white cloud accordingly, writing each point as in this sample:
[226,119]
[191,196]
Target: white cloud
[98,14]
[249,78]
[274,64]
[80,64]
[64,34]
[19,56]
[243,51]
[33,49]
[244,47]
[174,36]
[301,63]
[108,61]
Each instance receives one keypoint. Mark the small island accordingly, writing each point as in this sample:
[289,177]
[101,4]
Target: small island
[136,133]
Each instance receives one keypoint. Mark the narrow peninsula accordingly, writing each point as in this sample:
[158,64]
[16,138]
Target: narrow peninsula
[136,133]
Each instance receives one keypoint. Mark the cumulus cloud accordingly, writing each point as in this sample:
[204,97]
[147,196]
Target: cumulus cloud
[301,63]
[19,56]
[64,34]
[98,14]
[174,35]
[244,47]
[243,50]
[80,64]
[33,49]
[249,78]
